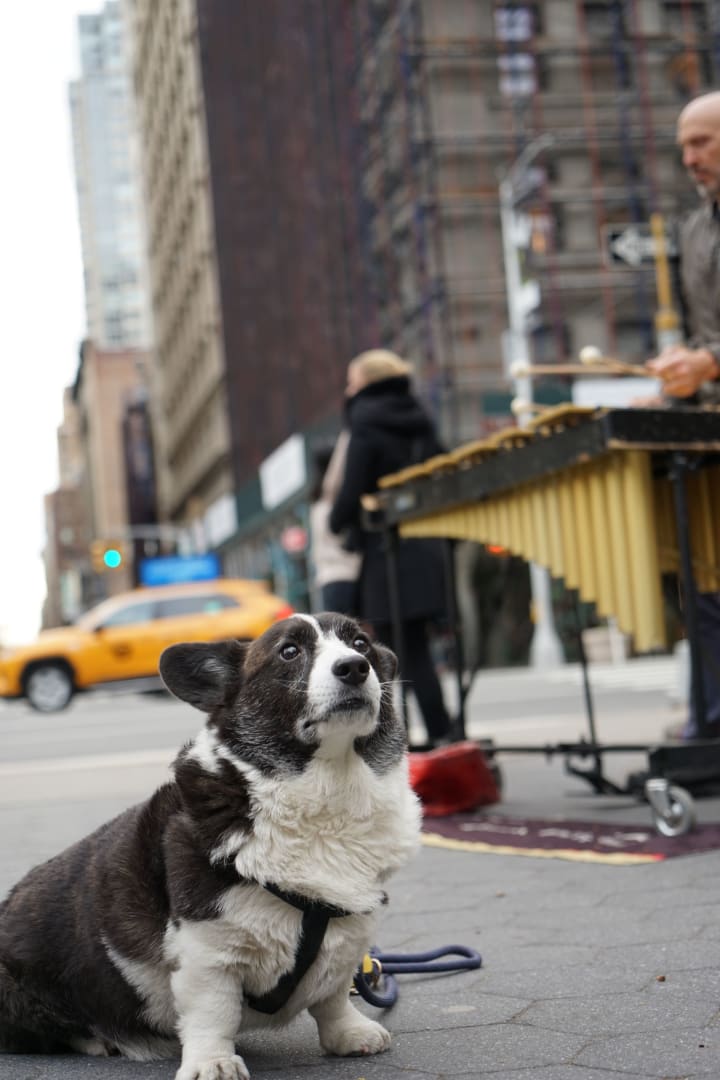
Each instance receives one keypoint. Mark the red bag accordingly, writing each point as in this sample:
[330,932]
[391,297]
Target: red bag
[452,778]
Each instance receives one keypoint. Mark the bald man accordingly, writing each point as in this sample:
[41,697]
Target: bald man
[695,366]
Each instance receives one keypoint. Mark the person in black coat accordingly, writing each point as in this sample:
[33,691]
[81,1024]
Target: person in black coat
[390,430]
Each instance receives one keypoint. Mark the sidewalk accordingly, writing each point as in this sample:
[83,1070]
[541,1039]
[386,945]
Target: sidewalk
[590,971]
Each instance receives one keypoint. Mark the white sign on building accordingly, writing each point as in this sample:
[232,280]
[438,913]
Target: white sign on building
[283,472]
[220,521]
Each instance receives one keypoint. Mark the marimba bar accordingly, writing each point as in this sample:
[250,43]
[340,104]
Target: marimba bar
[586,493]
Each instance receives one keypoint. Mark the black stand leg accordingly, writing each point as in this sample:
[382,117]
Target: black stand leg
[456,631]
[593,774]
[678,473]
[587,691]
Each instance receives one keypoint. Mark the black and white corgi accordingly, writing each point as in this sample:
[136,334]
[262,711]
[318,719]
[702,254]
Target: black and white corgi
[243,891]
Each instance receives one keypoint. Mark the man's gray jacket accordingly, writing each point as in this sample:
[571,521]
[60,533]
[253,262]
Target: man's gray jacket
[699,248]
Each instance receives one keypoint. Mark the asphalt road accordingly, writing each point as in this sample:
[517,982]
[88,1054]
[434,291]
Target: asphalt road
[63,774]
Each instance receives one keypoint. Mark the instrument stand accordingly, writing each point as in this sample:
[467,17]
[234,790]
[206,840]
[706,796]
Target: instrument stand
[695,762]
[594,774]
[679,468]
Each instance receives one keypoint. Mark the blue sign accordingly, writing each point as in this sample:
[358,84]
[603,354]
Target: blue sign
[171,569]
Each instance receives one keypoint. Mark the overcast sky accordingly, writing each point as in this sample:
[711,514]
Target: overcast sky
[43,316]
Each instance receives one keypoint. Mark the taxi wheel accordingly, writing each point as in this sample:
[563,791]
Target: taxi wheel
[49,688]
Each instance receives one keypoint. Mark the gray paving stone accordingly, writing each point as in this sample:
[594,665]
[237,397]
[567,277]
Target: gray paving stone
[660,958]
[658,1010]
[488,1049]
[558,1072]
[565,981]
[430,1012]
[691,1053]
[539,956]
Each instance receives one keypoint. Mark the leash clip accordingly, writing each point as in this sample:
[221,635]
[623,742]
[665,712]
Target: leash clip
[375,977]
[371,969]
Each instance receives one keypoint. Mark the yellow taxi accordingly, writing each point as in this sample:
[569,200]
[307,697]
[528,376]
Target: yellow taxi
[119,642]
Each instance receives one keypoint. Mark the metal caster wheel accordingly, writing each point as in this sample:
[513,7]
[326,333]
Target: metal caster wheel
[672,807]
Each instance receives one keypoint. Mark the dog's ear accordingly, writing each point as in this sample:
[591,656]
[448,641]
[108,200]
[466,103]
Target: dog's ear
[203,674]
[387,662]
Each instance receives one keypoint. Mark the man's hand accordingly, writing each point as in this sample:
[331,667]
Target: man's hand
[683,370]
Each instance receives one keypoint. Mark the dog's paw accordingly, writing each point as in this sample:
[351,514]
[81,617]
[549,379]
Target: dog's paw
[359,1037]
[225,1068]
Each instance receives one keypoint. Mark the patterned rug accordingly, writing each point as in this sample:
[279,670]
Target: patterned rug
[584,841]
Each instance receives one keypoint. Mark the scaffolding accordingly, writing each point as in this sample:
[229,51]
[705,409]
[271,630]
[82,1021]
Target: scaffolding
[448,95]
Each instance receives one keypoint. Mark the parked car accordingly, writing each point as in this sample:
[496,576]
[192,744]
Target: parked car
[119,642]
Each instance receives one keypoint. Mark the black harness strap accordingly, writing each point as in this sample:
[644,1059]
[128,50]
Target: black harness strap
[315,917]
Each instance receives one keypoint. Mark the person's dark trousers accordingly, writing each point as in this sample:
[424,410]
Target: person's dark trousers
[419,672]
[708,616]
[341,596]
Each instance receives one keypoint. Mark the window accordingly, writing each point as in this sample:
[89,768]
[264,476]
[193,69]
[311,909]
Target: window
[195,605]
[518,76]
[603,20]
[685,18]
[635,338]
[517,22]
[128,616]
[550,342]
[518,68]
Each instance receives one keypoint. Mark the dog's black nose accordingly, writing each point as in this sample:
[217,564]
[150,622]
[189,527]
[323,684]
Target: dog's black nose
[352,670]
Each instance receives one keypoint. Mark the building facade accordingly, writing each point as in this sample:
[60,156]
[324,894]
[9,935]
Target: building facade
[68,528]
[253,245]
[108,388]
[66,556]
[104,451]
[324,177]
[190,409]
[575,104]
[107,185]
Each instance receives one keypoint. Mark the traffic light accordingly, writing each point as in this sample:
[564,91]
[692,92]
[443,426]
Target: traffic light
[113,558]
[106,555]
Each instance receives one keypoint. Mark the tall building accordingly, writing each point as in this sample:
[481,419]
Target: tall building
[326,176]
[108,388]
[106,479]
[107,183]
[253,244]
[68,527]
[106,495]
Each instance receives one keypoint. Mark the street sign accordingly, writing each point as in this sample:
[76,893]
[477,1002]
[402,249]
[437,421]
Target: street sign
[633,245]
[172,569]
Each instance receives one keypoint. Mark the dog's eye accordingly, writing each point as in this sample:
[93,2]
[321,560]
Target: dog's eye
[289,652]
[361,644]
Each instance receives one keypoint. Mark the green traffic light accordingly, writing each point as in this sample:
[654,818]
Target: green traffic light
[112,558]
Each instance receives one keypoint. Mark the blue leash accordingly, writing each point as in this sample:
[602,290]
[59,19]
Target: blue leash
[378,967]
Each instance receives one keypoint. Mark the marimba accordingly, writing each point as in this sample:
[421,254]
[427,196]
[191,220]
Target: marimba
[586,493]
[608,500]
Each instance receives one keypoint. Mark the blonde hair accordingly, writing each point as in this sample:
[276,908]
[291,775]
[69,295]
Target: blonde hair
[377,364]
